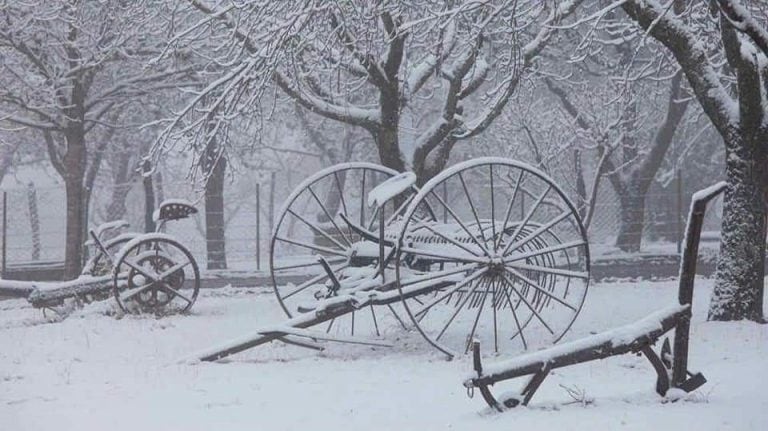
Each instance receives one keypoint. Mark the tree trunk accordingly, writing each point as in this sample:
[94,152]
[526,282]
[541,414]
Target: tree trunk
[214,211]
[738,292]
[631,218]
[74,167]
[121,187]
[149,197]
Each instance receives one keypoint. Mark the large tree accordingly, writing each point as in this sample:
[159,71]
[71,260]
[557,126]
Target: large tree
[418,76]
[66,67]
[717,43]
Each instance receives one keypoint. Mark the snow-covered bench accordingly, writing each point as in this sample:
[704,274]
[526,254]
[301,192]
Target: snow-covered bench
[671,365]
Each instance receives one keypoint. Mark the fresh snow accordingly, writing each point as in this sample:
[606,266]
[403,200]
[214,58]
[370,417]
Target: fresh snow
[97,371]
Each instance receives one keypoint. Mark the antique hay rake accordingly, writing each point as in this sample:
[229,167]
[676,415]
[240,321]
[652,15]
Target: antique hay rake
[670,363]
[490,249]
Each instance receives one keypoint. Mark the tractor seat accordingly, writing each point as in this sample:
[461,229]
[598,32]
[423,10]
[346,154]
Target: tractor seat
[174,209]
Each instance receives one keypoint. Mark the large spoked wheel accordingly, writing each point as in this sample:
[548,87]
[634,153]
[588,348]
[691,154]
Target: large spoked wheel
[155,274]
[508,256]
[316,254]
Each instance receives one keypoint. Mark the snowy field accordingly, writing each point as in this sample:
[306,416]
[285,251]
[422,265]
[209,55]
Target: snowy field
[95,372]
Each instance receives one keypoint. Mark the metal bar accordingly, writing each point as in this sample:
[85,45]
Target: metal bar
[258,227]
[687,275]
[5,231]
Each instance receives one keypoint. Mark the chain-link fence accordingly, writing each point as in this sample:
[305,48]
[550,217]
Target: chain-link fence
[35,218]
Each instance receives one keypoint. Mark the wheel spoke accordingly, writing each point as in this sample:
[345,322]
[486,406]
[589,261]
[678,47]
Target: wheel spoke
[493,208]
[171,270]
[525,301]
[514,315]
[477,317]
[472,207]
[529,282]
[327,214]
[512,246]
[527,218]
[138,268]
[450,291]
[546,270]
[127,295]
[427,226]
[341,191]
[317,229]
[308,264]
[458,308]
[539,252]
[458,220]
[165,286]
[310,246]
[509,209]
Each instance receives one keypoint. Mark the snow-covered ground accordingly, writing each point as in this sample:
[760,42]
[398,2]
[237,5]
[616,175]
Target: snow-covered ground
[95,372]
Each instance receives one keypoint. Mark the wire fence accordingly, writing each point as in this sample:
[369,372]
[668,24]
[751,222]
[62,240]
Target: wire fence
[34,221]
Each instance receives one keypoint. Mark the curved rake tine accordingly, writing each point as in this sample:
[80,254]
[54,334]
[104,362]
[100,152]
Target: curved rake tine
[449,258]
[477,317]
[540,289]
[514,315]
[375,322]
[451,291]
[530,307]
[458,308]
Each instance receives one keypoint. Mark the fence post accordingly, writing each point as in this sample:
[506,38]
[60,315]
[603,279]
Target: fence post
[679,220]
[258,227]
[5,230]
[271,202]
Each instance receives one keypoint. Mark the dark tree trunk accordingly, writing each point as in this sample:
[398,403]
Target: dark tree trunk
[74,168]
[149,197]
[738,292]
[214,208]
[120,188]
[631,218]
[386,136]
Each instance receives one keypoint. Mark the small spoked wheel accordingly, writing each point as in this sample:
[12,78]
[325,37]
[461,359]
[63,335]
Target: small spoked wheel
[508,257]
[155,274]
[317,249]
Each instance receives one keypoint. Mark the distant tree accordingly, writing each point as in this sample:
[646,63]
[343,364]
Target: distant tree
[65,68]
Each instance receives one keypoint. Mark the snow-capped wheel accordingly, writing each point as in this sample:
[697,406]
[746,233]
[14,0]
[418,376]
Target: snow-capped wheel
[520,245]
[317,241]
[155,273]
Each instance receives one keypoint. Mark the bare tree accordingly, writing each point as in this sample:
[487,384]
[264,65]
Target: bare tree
[66,67]
[450,67]
[722,54]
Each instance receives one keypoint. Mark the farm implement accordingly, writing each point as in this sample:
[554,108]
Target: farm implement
[490,250]
[670,362]
[144,273]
